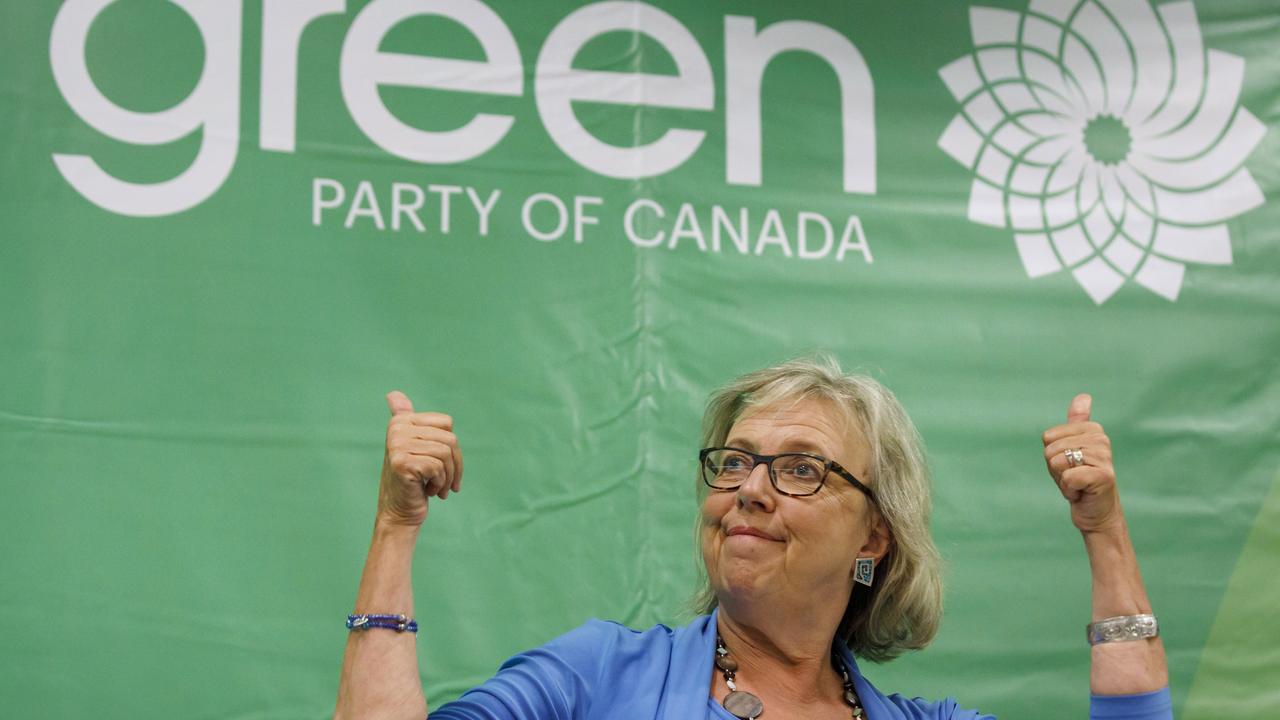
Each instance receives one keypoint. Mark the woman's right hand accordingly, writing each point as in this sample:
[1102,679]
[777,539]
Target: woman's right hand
[422,461]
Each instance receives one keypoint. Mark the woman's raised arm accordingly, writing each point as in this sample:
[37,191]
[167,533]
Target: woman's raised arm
[1078,454]
[380,666]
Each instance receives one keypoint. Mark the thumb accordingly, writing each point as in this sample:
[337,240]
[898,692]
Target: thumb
[399,403]
[1079,409]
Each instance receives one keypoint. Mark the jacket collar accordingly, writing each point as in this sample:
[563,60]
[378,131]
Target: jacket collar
[692,678]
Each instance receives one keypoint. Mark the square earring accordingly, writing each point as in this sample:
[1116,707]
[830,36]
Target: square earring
[864,571]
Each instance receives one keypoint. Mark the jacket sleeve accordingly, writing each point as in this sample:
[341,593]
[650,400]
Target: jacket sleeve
[552,682]
[1142,706]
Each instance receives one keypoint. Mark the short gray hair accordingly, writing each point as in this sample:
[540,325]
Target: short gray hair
[902,609]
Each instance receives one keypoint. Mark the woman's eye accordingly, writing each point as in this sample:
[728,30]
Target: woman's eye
[735,462]
[806,469]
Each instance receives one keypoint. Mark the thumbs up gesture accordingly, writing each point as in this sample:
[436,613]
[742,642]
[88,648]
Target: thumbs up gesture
[1078,454]
[422,461]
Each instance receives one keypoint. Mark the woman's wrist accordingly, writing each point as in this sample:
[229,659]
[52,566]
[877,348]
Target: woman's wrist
[1109,546]
[389,528]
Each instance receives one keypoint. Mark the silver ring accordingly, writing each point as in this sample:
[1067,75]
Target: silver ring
[1075,457]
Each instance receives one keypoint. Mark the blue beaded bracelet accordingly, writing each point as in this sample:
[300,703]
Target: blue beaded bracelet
[399,623]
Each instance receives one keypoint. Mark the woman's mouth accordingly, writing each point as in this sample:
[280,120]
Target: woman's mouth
[748,531]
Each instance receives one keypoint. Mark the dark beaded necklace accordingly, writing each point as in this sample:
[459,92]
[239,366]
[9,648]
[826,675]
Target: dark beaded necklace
[746,706]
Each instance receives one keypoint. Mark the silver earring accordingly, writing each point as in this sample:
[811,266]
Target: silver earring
[864,570]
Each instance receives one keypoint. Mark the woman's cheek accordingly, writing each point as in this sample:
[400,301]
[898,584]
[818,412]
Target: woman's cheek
[711,557]
[714,508]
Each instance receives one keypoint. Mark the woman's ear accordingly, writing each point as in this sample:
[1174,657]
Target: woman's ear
[879,541]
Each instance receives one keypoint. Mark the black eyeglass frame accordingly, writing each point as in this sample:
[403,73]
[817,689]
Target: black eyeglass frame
[829,465]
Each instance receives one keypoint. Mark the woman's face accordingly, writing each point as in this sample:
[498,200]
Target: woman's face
[809,544]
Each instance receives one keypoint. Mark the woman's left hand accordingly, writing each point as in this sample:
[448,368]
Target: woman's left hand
[1089,486]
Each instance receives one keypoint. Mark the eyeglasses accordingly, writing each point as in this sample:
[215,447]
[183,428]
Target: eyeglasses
[795,474]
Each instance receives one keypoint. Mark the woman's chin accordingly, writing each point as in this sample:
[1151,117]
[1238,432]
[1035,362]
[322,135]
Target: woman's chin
[742,579]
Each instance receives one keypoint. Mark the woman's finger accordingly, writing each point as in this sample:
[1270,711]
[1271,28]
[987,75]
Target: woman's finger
[412,436]
[433,449]
[434,485]
[449,439]
[1077,482]
[1095,458]
[1096,447]
[1092,437]
[435,434]
[1057,432]
[398,403]
[413,467]
[457,464]
[403,435]
[1080,407]
[432,419]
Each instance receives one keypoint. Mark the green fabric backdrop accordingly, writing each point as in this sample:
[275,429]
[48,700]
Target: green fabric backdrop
[198,332]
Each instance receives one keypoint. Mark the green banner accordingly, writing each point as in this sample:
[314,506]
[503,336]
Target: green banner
[233,227]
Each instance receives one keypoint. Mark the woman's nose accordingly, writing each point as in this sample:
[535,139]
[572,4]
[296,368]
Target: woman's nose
[756,489]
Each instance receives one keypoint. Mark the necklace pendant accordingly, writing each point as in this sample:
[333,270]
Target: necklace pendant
[743,705]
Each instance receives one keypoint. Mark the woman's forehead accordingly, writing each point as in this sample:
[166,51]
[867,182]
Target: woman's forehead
[816,422]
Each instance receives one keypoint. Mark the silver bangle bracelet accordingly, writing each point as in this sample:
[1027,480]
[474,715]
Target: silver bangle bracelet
[1123,629]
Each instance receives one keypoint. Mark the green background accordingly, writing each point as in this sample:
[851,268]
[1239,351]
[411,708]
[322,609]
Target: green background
[191,406]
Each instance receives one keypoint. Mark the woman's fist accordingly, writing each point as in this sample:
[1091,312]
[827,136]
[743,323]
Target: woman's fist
[1078,454]
[422,461]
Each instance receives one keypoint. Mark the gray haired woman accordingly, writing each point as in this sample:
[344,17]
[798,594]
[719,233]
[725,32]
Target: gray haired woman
[814,537]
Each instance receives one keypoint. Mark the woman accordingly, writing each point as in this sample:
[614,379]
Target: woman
[814,536]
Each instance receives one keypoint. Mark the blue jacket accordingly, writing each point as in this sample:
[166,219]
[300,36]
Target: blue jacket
[603,670]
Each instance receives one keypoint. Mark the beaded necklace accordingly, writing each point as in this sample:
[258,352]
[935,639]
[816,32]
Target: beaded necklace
[746,706]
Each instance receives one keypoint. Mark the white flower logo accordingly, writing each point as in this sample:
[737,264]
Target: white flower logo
[1106,137]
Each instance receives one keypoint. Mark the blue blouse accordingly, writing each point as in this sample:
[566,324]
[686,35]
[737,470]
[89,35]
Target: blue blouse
[604,671]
